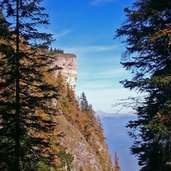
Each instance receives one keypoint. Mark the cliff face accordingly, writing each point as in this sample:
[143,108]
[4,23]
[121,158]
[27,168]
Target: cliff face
[68,67]
[75,143]
[87,147]
[79,133]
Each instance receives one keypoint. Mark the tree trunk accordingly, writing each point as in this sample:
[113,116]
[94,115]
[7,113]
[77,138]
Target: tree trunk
[17,91]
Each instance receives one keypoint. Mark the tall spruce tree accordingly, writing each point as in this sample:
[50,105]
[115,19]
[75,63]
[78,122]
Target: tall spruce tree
[6,96]
[84,103]
[25,97]
[116,163]
[148,56]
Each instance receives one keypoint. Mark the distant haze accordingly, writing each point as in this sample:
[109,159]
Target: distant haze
[118,140]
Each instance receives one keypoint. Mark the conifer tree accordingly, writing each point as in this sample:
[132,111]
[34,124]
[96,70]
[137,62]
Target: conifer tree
[6,94]
[84,103]
[116,162]
[25,97]
[148,57]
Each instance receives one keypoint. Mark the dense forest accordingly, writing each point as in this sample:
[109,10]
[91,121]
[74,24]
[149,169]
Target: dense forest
[147,33]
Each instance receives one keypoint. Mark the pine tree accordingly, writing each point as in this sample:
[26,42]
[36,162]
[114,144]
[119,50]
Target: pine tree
[147,31]
[26,98]
[116,163]
[6,95]
[84,103]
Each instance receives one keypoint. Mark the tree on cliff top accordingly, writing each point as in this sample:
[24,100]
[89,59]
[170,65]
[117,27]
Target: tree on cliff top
[148,56]
[25,109]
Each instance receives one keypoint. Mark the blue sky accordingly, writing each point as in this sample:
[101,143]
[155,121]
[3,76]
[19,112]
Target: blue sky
[86,28]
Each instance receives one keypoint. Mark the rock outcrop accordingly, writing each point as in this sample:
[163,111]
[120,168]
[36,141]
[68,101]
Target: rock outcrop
[67,65]
[75,143]
[79,133]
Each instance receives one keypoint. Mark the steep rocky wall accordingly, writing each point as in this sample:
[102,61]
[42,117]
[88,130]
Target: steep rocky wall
[68,65]
[84,156]
[80,133]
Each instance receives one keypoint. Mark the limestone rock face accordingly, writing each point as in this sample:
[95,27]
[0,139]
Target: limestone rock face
[84,156]
[80,134]
[68,67]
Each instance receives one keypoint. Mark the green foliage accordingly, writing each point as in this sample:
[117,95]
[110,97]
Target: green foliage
[148,57]
[84,103]
[55,51]
[25,98]
[66,159]
[86,122]
[43,167]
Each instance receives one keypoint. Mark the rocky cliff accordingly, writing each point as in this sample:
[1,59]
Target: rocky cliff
[77,140]
[79,133]
[67,65]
